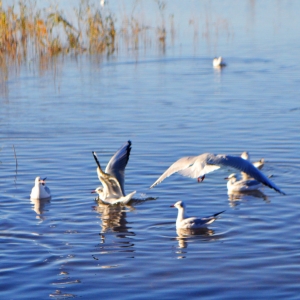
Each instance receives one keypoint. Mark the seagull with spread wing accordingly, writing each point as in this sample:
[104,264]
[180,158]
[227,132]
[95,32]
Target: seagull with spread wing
[198,166]
[112,178]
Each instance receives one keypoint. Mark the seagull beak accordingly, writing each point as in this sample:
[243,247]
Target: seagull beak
[93,192]
[226,178]
[44,179]
[172,205]
[200,179]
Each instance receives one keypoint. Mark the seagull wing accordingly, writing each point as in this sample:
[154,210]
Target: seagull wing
[111,185]
[117,164]
[179,165]
[196,166]
[212,218]
[192,222]
[200,167]
[243,166]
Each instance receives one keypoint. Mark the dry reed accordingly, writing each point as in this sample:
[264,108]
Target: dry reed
[27,31]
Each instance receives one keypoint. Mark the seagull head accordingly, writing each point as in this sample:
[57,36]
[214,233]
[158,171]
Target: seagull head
[179,204]
[38,180]
[98,190]
[245,155]
[231,176]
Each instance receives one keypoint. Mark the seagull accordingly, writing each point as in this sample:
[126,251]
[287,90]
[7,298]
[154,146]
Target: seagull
[112,201]
[113,177]
[218,62]
[234,185]
[40,190]
[257,164]
[198,166]
[185,222]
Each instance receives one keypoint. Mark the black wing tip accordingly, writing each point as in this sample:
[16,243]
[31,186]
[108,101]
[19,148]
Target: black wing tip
[219,213]
[274,188]
[128,150]
[129,146]
[96,158]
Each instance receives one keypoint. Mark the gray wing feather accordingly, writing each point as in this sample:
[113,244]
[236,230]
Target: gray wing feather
[179,165]
[117,164]
[111,186]
[47,190]
[200,166]
[192,221]
[203,221]
[244,166]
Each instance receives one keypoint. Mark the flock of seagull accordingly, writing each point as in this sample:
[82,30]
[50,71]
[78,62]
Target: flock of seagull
[112,179]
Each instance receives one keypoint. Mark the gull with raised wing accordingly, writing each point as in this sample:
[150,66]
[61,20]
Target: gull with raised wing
[112,179]
[198,166]
[40,190]
[185,222]
[113,200]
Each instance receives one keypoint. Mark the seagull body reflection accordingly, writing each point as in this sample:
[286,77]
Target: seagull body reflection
[39,207]
[237,197]
[113,217]
[116,235]
[189,236]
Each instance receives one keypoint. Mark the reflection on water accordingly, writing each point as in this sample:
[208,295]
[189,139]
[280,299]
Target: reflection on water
[113,217]
[114,220]
[184,234]
[238,197]
[39,207]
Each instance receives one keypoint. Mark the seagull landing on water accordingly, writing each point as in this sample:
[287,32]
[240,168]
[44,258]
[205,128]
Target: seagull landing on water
[122,200]
[235,186]
[218,62]
[185,222]
[40,190]
[113,179]
[198,166]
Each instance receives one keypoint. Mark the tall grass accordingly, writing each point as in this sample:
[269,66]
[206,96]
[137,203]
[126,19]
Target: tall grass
[27,31]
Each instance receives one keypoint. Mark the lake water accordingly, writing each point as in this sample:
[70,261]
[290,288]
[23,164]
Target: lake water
[170,104]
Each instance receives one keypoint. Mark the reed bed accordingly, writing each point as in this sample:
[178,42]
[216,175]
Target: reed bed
[27,31]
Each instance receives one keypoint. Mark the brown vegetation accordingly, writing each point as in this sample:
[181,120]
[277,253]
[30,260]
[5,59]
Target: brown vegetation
[25,29]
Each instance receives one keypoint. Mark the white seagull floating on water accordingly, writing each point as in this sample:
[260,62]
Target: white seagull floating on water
[40,190]
[185,222]
[112,179]
[198,166]
[218,62]
[236,186]
[257,164]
